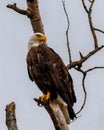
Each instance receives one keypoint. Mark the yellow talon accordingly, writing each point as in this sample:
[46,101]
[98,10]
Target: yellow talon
[42,98]
[45,98]
[48,96]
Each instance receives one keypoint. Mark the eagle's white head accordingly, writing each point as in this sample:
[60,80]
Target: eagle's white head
[36,40]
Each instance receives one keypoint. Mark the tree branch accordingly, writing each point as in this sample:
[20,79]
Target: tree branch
[24,12]
[97,67]
[84,58]
[55,113]
[10,117]
[85,92]
[85,7]
[67,31]
[33,13]
[83,84]
[91,5]
[91,24]
[89,11]
[36,21]
[99,30]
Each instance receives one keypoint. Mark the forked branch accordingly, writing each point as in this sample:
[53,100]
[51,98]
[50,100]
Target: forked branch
[79,63]
[18,10]
[33,13]
[83,84]
[89,12]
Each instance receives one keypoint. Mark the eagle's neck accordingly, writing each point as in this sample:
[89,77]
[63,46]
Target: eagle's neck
[33,44]
[36,44]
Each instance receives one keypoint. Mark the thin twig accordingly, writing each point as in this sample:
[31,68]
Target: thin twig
[67,31]
[91,25]
[85,7]
[89,11]
[97,67]
[93,31]
[99,30]
[85,93]
[90,8]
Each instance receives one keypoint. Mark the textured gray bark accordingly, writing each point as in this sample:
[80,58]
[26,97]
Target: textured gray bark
[10,117]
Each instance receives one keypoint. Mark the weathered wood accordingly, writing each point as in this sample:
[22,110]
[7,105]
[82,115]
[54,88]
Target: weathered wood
[55,113]
[36,21]
[10,117]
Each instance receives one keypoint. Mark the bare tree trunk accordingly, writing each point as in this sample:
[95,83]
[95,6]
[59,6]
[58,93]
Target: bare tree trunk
[10,117]
[35,17]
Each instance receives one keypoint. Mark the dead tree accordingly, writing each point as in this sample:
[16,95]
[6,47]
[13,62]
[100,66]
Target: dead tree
[33,14]
[10,117]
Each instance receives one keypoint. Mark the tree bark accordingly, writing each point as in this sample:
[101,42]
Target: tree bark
[10,117]
[35,18]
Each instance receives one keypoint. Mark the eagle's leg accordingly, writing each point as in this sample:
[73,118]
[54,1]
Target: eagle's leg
[45,97]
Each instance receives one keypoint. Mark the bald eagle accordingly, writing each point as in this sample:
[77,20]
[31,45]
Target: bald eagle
[47,69]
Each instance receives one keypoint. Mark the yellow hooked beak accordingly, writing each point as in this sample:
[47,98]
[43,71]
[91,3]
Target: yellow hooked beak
[42,38]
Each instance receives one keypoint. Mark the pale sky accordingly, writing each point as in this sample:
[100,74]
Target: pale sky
[14,82]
